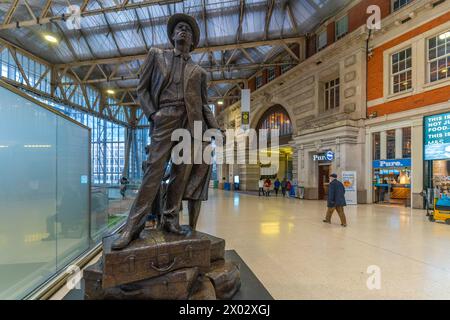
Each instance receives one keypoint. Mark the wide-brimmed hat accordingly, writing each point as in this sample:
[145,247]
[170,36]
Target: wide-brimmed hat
[178,17]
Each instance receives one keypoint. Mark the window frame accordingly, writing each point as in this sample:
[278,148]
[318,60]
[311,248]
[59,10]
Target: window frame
[269,70]
[340,36]
[335,89]
[399,72]
[437,58]
[323,32]
[257,78]
[401,6]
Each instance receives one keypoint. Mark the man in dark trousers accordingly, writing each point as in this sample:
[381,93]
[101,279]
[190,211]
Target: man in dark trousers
[172,92]
[336,200]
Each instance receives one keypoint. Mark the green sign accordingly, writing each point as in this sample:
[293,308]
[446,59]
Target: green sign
[437,137]
[245,118]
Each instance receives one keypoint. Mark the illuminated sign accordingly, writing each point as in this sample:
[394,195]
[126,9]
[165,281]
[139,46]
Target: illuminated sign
[394,163]
[437,137]
[327,156]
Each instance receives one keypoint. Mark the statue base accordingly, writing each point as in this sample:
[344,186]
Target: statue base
[165,266]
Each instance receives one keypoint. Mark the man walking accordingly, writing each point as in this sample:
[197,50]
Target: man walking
[336,200]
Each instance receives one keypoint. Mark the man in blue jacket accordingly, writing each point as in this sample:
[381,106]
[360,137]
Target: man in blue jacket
[336,200]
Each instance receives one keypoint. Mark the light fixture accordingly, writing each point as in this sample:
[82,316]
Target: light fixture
[110,91]
[444,70]
[220,102]
[50,38]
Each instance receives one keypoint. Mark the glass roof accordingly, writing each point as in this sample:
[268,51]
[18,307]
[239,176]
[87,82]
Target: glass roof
[133,29]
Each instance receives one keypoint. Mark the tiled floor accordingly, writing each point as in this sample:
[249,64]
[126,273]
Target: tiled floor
[296,256]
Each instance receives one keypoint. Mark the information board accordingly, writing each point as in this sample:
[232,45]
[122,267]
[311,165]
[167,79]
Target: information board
[437,137]
[351,191]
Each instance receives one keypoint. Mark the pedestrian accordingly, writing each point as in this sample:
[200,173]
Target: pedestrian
[267,185]
[336,200]
[261,187]
[276,186]
[283,186]
[288,188]
[123,186]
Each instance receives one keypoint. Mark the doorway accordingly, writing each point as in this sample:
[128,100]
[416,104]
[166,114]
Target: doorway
[324,181]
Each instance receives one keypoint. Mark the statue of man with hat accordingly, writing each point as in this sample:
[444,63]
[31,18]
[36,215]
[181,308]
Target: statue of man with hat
[172,92]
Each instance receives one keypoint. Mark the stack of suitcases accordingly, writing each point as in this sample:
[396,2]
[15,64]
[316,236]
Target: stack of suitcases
[162,265]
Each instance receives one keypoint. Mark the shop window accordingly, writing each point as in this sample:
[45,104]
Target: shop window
[401,71]
[398,4]
[271,74]
[341,27]
[390,144]
[376,145]
[259,82]
[439,57]
[332,94]
[406,143]
[322,40]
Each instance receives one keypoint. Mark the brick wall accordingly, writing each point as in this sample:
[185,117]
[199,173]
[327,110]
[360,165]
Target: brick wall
[375,63]
[357,15]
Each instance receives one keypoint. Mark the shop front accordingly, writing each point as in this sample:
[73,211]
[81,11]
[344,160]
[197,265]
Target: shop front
[437,155]
[392,181]
[324,162]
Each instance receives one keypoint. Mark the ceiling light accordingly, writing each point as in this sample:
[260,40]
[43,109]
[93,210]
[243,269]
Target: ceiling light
[110,91]
[220,102]
[50,38]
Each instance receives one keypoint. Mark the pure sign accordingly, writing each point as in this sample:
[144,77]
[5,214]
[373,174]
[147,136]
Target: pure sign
[327,156]
[437,137]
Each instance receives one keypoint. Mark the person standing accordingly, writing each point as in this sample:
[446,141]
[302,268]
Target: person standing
[336,200]
[283,187]
[267,185]
[276,186]
[288,188]
[261,187]
[123,186]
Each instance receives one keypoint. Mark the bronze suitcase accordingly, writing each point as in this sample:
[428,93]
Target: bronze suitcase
[154,254]
[226,278]
[176,285]
[203,290]
[217,245]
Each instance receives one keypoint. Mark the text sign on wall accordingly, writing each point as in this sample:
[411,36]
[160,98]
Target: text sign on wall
[437,137]
[351,191]
[245,109]
[394,163]
[327,156]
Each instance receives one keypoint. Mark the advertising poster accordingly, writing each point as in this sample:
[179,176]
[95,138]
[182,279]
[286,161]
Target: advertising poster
[437,137]
[349,181]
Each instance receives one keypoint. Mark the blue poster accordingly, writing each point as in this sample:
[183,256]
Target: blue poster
[437,137]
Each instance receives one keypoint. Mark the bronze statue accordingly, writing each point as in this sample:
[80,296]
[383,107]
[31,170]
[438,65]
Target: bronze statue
[173,95]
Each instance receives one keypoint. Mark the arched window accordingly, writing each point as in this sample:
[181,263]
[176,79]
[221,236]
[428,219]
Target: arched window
[276,118]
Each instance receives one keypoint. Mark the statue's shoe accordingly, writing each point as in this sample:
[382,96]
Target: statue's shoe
[172,228]
[124,240]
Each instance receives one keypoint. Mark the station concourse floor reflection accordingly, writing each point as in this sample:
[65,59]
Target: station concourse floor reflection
[296,256]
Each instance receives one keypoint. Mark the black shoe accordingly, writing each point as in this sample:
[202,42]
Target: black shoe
[327,221]
[344,225]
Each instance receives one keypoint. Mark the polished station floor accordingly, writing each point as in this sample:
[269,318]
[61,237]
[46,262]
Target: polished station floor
[297,256]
